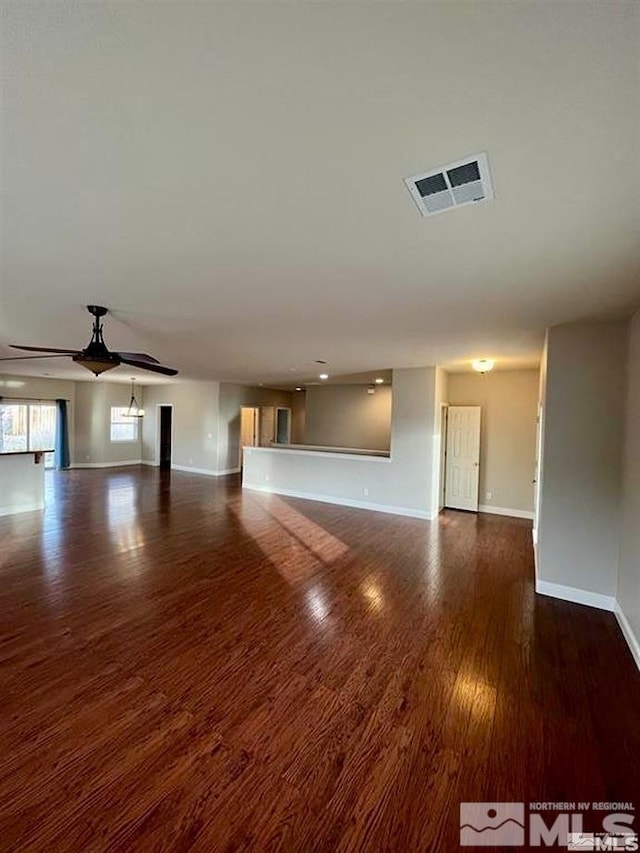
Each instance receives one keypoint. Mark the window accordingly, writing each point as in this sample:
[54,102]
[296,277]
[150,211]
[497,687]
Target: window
[28,426]
[14,427]
[123,428]
[42,427]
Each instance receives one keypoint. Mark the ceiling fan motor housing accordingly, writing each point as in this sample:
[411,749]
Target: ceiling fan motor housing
[95,356]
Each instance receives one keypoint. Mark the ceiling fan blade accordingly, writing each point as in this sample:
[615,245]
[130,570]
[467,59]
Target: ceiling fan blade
[138,356]
[145,365]
[45,349]
[28,357]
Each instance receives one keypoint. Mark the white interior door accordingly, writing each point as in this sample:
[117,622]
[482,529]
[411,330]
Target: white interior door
[463,457]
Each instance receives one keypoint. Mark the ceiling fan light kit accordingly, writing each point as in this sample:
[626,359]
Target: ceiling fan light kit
[96,357]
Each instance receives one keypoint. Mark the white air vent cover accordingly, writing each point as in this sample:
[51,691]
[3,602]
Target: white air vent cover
[466,181]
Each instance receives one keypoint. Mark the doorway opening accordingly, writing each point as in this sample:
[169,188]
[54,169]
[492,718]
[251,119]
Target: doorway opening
[283,425]
[165,418]
[249,423]
[462,458]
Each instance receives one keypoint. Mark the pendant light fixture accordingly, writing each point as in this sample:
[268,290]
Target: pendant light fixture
[134,410]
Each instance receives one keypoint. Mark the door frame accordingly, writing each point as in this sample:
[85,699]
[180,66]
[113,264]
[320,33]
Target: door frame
[537,474]
[156,460]
[442,456]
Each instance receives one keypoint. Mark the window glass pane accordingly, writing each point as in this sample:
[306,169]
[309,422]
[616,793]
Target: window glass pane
[13,427]
[122,427]
[123,432]
[42,427]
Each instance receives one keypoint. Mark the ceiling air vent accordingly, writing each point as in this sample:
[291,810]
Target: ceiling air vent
[466,181]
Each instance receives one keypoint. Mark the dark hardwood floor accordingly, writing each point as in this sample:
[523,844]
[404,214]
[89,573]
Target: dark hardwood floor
[187,667]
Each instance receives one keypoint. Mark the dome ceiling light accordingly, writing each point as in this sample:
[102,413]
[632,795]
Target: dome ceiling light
[482,365]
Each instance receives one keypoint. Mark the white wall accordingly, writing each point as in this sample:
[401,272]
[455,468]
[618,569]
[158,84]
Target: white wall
[194,424]
[579,524]
[298,416]
[402,483]
[509,401]
[629,570]
[232,398]
[21,484]
[92,427]
[347,416]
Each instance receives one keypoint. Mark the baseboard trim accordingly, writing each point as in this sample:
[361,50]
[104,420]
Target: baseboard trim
[577,596]
[28,507]
[627,631]
[325,499]
[501,510]
[208,472]
[151,462]
[106,464]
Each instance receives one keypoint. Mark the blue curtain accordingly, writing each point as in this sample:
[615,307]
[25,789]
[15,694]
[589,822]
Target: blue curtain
[62,436]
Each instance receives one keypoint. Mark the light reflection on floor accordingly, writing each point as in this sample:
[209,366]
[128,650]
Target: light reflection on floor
[317,603]
[372,592]
[474,696]
[52,538]
[122,515]
[433,570]
[297,547]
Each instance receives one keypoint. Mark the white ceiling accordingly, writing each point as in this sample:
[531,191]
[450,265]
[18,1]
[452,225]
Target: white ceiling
[228,180]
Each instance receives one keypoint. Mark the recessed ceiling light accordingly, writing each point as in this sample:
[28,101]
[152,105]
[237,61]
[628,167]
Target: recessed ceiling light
[324,376]
[379,380]
[482,365]
[298,388]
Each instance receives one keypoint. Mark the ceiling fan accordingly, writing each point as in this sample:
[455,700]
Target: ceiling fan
[95,357]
